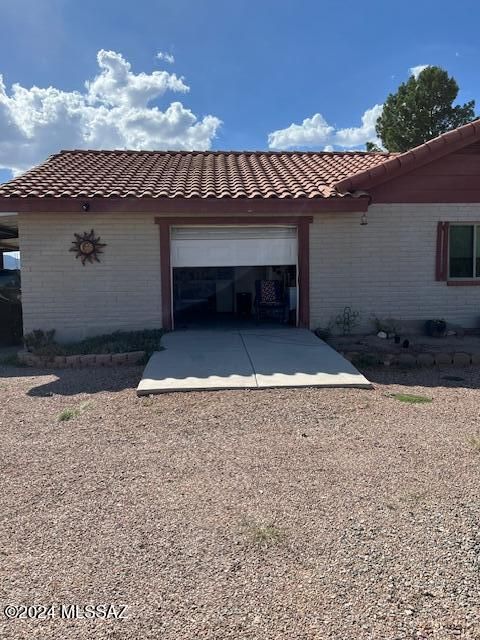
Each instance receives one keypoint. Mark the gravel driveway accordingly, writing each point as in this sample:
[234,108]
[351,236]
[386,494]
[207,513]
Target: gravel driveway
[281,514]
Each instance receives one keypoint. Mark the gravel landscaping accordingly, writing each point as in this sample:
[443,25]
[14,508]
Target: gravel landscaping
[281,514]
[417,344]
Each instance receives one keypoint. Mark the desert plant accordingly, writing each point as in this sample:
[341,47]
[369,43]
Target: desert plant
[72,412]
[42,343]
[388,325]
[265,534]
[436,328]
[68,414]
[474,442]
[118,342]
[38,339]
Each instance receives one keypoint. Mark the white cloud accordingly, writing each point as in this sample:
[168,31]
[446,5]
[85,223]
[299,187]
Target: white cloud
[313,131]
[116,85]
[416,71]
[357,136]
[114,111]
[168,57]
[316,132]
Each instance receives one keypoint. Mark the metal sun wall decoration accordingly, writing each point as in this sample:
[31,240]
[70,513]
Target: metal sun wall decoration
[87,246]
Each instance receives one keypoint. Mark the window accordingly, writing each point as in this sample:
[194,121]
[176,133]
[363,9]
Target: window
[464,251]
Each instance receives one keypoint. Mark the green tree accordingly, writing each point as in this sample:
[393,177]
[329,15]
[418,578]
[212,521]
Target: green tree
[371,146]
[421,109]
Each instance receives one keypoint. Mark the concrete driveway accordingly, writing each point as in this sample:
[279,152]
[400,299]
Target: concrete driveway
[246,359]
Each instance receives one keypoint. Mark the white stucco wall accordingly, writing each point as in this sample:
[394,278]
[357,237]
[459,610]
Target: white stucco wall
[120,292]
[387,268]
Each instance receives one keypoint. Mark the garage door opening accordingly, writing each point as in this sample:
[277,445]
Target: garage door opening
[234,296]
[234,275]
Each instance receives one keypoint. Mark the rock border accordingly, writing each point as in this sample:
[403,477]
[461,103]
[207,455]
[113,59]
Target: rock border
[404,360]
[80,361]
[408,360]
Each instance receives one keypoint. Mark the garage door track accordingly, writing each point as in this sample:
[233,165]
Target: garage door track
[246,359]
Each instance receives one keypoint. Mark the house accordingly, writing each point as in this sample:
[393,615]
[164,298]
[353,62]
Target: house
[139,239]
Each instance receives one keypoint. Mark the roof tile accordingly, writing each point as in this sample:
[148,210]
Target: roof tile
[181,174]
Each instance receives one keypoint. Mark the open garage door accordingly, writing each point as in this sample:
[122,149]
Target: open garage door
[233,246]
[220,275]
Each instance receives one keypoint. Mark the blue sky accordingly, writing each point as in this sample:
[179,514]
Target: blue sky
[242,70]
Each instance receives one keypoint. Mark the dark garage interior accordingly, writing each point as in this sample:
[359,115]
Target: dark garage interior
[10,283]
[223,296]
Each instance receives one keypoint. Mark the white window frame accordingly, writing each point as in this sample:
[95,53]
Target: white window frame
[475,226]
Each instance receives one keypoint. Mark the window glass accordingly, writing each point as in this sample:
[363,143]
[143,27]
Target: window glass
[477,252]
[461,251]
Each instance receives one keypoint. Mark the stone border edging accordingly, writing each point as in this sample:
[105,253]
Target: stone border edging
[80,361]
[423,359]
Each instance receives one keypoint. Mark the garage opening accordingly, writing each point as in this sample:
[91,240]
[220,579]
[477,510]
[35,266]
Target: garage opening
[10,291]
[232,275]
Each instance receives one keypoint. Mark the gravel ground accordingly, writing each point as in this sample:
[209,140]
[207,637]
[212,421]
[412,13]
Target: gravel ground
[417,344]
[275,514]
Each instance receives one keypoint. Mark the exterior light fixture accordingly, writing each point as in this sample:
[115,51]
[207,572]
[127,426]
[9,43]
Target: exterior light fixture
[364,220]
[85,206]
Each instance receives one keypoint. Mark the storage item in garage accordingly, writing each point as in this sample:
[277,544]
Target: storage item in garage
[244,303]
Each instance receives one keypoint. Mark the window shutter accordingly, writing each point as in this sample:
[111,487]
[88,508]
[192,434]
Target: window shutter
[441,268]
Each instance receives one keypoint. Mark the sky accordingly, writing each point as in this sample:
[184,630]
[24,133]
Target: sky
[185,74]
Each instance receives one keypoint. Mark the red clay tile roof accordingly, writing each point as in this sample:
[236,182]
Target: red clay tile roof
[412,159]
[171,174]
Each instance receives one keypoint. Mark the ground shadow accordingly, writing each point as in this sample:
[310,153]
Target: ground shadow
[70,382]
[445,376]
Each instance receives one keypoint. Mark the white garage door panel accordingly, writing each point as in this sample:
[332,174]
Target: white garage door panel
[233,246]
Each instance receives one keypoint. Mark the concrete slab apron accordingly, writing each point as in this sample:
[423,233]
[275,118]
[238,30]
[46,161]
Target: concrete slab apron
[256,358]
[194,360]
[297,358]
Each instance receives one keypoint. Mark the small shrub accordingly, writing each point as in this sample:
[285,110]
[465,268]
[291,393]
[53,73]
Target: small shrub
[68,414]
[73,412]
[436,328]
[474,442]
[388,325]
[42,343]
[118,342]
[39,339]
[410,398]
[265,534]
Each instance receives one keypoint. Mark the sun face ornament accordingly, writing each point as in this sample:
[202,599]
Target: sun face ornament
[87,246]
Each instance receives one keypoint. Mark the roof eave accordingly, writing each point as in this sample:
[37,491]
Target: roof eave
[414,158]
[184,206]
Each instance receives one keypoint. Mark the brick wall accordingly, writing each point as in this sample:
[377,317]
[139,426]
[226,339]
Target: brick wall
[387,268]
[120,292]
